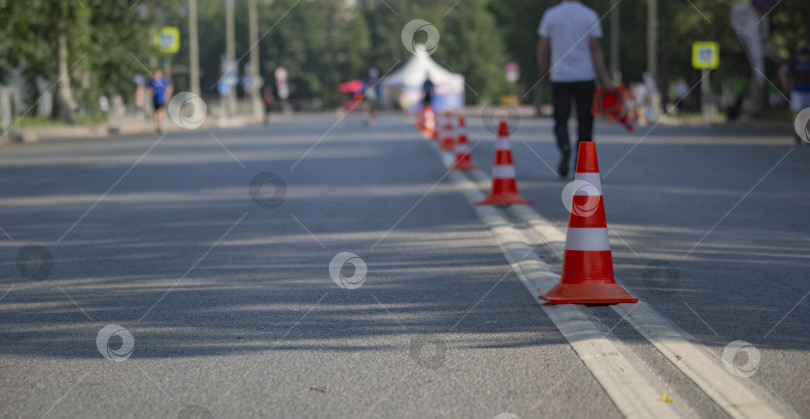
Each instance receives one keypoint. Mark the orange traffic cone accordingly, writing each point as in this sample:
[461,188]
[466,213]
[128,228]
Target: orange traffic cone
[447,139]
[436,136]
[587,271]
[463,158]
[504,184]
[420,119]
[611,102]
[429,126]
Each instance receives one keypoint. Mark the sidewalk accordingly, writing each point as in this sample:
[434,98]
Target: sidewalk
[128,125]
[756,124]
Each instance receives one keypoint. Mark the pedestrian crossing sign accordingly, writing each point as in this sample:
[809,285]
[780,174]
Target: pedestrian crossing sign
[168,40]
[705,55]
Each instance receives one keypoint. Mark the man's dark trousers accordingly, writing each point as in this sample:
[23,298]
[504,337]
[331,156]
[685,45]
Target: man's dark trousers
[581,92]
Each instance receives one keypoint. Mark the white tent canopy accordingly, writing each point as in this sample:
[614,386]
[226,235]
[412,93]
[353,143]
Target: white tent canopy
[405,85]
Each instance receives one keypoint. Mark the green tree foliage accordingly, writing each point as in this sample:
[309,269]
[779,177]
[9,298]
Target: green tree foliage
[100,35]
[517,21]
[478,54]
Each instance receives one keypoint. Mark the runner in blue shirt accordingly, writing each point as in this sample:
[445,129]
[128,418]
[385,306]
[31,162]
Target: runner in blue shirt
[161,89]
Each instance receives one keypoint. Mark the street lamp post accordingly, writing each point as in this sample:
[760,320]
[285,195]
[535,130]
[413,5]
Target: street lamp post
[194,48]
[652,52]
[254,59]
[652,37]
[230,53]
[614,44]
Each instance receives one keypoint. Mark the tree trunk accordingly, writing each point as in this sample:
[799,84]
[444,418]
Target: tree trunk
[663,86]
[63,108]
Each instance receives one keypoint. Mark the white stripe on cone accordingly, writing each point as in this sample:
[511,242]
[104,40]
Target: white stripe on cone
[503,172]
[589,239]
[502,144]
[591,179]
[462,148]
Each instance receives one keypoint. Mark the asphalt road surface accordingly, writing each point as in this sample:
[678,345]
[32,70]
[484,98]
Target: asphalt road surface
[198,274]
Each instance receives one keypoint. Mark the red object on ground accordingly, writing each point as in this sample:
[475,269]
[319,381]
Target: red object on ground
[587,271]
[504,185]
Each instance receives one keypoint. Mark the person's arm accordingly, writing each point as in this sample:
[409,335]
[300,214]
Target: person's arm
[542,57]
[599,62]
[167,95]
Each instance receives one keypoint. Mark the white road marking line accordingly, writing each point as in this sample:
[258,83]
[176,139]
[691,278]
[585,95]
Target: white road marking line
[734,397]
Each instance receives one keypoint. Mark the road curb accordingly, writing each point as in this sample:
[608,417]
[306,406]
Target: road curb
[113,130]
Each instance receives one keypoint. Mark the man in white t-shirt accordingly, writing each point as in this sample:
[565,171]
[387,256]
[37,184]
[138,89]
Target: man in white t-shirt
[571,31]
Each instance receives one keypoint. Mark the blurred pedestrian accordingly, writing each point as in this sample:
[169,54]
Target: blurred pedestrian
[427,92]
[372,95]
[140,100]
[740,83]
[104,105]
[161,89]
[681,91]
[267,98]
[795,77]
[571,32]
[728,101]
[117,106]
[630,104]
[642,98]
[653,96]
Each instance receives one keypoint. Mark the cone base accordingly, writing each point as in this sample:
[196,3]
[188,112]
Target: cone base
[505,199]
[611,293]
[463,166]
